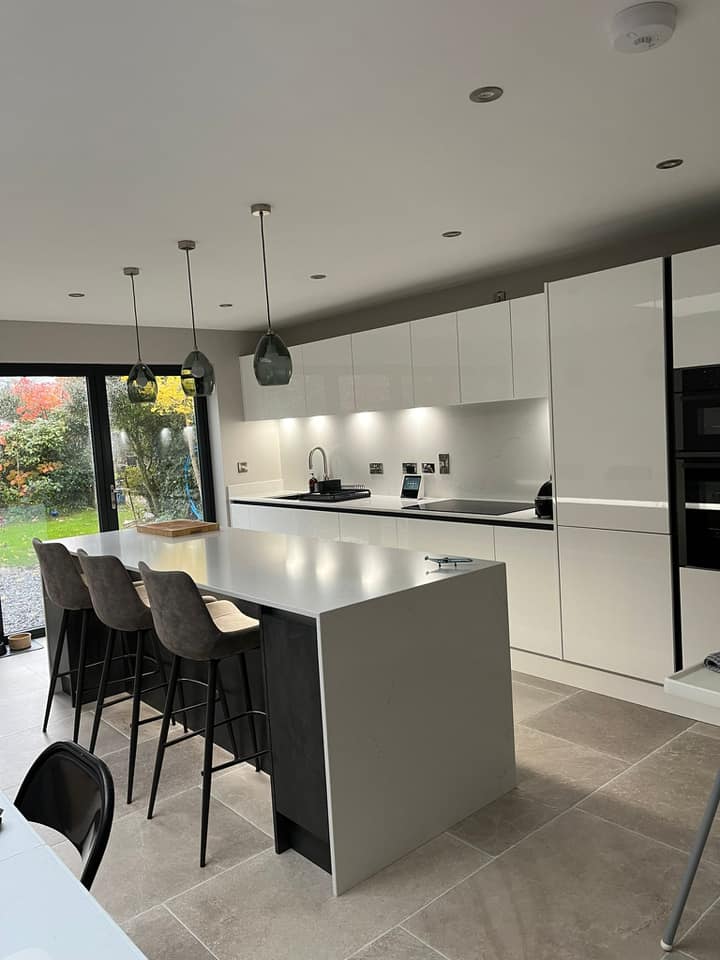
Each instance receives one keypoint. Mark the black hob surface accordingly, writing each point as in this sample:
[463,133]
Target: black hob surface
[493,508]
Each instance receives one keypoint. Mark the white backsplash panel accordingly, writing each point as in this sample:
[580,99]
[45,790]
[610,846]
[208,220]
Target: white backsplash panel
[497,450]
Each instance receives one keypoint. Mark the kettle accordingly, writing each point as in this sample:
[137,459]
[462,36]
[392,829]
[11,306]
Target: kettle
[544,501]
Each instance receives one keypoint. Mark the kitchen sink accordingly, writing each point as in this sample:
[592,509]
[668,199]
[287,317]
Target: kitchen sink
[336,496]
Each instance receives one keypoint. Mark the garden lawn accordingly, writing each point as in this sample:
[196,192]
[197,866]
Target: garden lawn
[16,548]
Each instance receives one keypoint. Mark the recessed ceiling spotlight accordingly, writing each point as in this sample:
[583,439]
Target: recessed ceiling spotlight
[486,94]
[76,295]
[453,233]
[643,27]
[669,164]
[318,276]
[224,305]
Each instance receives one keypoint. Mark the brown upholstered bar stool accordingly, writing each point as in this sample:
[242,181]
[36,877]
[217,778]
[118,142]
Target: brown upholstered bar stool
[66,588]
[208,634]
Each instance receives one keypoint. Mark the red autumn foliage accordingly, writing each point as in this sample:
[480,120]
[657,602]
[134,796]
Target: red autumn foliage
[37,398]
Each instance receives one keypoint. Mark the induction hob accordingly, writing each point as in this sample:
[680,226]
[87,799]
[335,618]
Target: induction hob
[493,508]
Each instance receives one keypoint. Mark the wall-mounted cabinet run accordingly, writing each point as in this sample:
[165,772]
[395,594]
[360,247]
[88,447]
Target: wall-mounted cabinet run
[494,352]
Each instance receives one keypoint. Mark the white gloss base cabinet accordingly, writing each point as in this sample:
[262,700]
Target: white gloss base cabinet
[382,364]
[530,558]
[616,601]
[696,307]
[319,524]
[436,374]
[378,531]
[485,349]
[700,613]
[441,537]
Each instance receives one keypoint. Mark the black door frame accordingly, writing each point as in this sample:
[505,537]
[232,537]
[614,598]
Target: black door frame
[99,414]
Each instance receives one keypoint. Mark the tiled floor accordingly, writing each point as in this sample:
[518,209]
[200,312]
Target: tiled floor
[580,862]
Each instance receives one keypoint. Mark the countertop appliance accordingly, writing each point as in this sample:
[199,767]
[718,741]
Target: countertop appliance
[493,508]
[544,501]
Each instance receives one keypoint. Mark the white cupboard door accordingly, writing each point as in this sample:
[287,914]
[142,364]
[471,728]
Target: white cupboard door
[439,537]
[321,524]
[240,516]
[485,353]
[528,325]
[531,561]
[696,307]
[273,403]
[271,519]
[700,613]
[251,397]
[615,593]
[383,368]
[358,528]
[436,372]
[329,387]
[607,357]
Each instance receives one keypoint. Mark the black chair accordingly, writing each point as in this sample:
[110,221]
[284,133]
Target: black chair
[71,790]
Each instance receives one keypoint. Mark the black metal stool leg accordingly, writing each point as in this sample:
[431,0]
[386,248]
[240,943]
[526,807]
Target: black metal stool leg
[164,728]
[248,706]
[55,667]
[161,666]
[226,710]
[134,722]
[80,679]
[102,688]
[207,761]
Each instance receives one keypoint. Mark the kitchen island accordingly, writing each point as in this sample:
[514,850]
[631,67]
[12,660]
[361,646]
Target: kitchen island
[387,683]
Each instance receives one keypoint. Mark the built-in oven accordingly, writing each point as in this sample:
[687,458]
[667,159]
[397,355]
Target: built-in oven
[698,498]
[697,411]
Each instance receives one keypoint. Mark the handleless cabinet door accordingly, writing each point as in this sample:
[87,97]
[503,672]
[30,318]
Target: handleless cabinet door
[358,528]
[696,307]
[531,561]
[607,356]
[383,368]
[329,386]
[240,516]
[528,323]
[440,537]
[273,403]
[616,601]
[320,524]
[436,372]
[485,353]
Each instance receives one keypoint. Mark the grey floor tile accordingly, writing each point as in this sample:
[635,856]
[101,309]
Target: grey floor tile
[528,701]
[15,674]
[396,945]
[579,888]
[247,792]
[24,709]
[664,795]
[282,908]
[148,861]
[706,729]
[503,822]
[551,685]
[558,772]
[119,715]
[703,941]
[623,730]
[161,937]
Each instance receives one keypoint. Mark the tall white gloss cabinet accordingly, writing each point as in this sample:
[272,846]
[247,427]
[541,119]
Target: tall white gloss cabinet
[696,307]
[607,362]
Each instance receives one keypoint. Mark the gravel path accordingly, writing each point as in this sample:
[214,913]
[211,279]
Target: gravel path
[21,597]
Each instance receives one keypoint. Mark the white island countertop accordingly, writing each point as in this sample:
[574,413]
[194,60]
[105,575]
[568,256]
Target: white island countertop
[293,573]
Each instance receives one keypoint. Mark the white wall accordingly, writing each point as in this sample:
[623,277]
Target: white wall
[496,449]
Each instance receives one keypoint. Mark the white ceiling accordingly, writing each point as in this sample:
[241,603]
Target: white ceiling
[125,126]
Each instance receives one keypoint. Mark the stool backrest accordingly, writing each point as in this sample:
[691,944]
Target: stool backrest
[114,598]
[61,576]
[181,619]
[71,791]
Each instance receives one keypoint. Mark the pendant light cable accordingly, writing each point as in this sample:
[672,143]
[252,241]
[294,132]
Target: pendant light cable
[137,329]
[192,304]
[265,272]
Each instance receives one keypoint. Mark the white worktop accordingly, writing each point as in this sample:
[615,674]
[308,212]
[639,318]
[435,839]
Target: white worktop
[45,912]
[385,504]
[297,574]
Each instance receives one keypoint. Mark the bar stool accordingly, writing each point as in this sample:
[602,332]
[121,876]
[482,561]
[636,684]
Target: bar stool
[66,588]
[208,634]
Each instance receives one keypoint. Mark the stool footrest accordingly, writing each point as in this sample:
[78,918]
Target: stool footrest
[232,763]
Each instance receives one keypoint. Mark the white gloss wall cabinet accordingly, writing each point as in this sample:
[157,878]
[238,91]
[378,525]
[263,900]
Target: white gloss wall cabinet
[530,558]
[329,386]
[528,325]
[378,531]
[616,601]
[382,364]
[485,349]
[273,403]
[696,307]
[700,613]
[440,537]
[436,373]
[607,358]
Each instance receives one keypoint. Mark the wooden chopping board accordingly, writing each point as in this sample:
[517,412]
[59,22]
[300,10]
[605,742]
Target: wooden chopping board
[177,528]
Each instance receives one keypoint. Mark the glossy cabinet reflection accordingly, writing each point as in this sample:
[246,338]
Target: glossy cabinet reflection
[696,307]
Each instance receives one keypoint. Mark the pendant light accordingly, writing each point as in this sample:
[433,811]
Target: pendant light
[141,382]
[196,374]
[272,361]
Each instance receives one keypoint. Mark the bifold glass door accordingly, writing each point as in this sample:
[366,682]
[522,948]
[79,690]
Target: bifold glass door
[77,457]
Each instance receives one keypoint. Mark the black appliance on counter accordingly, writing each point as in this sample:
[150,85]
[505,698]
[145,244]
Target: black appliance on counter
[544,501]
[697,465]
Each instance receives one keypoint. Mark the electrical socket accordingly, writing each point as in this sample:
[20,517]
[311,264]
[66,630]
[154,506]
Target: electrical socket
[444,461]
[242,466]
[376,468]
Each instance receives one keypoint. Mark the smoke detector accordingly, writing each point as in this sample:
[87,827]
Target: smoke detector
[643,27]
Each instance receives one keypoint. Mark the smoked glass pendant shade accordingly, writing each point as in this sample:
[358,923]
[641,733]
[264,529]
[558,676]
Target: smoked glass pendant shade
[141,384]
[197,375]
[272,361]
